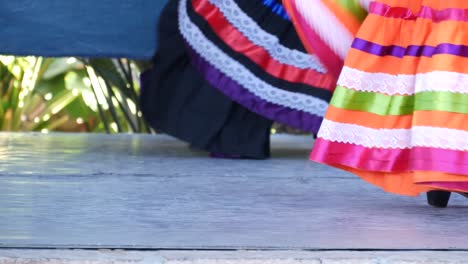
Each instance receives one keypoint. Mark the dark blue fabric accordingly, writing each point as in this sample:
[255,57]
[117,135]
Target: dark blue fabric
[277,8]
[91,28]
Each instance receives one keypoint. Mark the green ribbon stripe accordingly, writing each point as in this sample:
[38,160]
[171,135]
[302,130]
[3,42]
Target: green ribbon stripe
[399,104]
[354,7]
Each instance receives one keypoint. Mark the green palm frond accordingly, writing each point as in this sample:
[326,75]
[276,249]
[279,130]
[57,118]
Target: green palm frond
[69,94]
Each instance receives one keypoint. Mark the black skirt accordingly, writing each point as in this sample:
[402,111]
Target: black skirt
[176,99]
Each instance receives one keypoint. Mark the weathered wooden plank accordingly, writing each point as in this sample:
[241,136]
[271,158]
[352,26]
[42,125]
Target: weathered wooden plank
[27,256]
[73,190]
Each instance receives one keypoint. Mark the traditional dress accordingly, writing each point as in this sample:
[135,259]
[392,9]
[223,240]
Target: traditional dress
[226,69]
[399,115]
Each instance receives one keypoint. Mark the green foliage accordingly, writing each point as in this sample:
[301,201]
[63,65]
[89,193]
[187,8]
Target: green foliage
[69,94]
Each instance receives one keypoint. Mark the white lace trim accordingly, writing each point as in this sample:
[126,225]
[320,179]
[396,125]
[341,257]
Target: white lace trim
[241,74]
[417,136]
[326,25]
[404,84]
[249,28]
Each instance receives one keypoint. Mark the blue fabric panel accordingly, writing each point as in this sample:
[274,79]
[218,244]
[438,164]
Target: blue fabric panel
[277,8]
[88,28]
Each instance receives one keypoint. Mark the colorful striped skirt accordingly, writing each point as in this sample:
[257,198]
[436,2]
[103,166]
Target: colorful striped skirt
[399,115]
[249,50]
[225,70]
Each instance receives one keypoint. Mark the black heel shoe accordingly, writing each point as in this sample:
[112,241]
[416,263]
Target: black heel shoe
[438,199]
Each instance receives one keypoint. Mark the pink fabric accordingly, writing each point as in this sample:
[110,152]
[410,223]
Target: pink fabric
[390,160]
[426,12]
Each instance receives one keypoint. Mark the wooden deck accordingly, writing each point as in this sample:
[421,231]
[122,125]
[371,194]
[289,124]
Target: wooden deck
[152,192]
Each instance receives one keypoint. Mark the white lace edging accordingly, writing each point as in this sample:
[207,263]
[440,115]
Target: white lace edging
[249,28]
[237,72]
[404,84]
[417,136]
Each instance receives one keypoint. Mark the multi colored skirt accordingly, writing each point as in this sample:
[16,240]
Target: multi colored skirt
[226,69]
[399,115]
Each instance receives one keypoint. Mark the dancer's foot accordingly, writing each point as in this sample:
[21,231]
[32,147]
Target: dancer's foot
[438,199]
